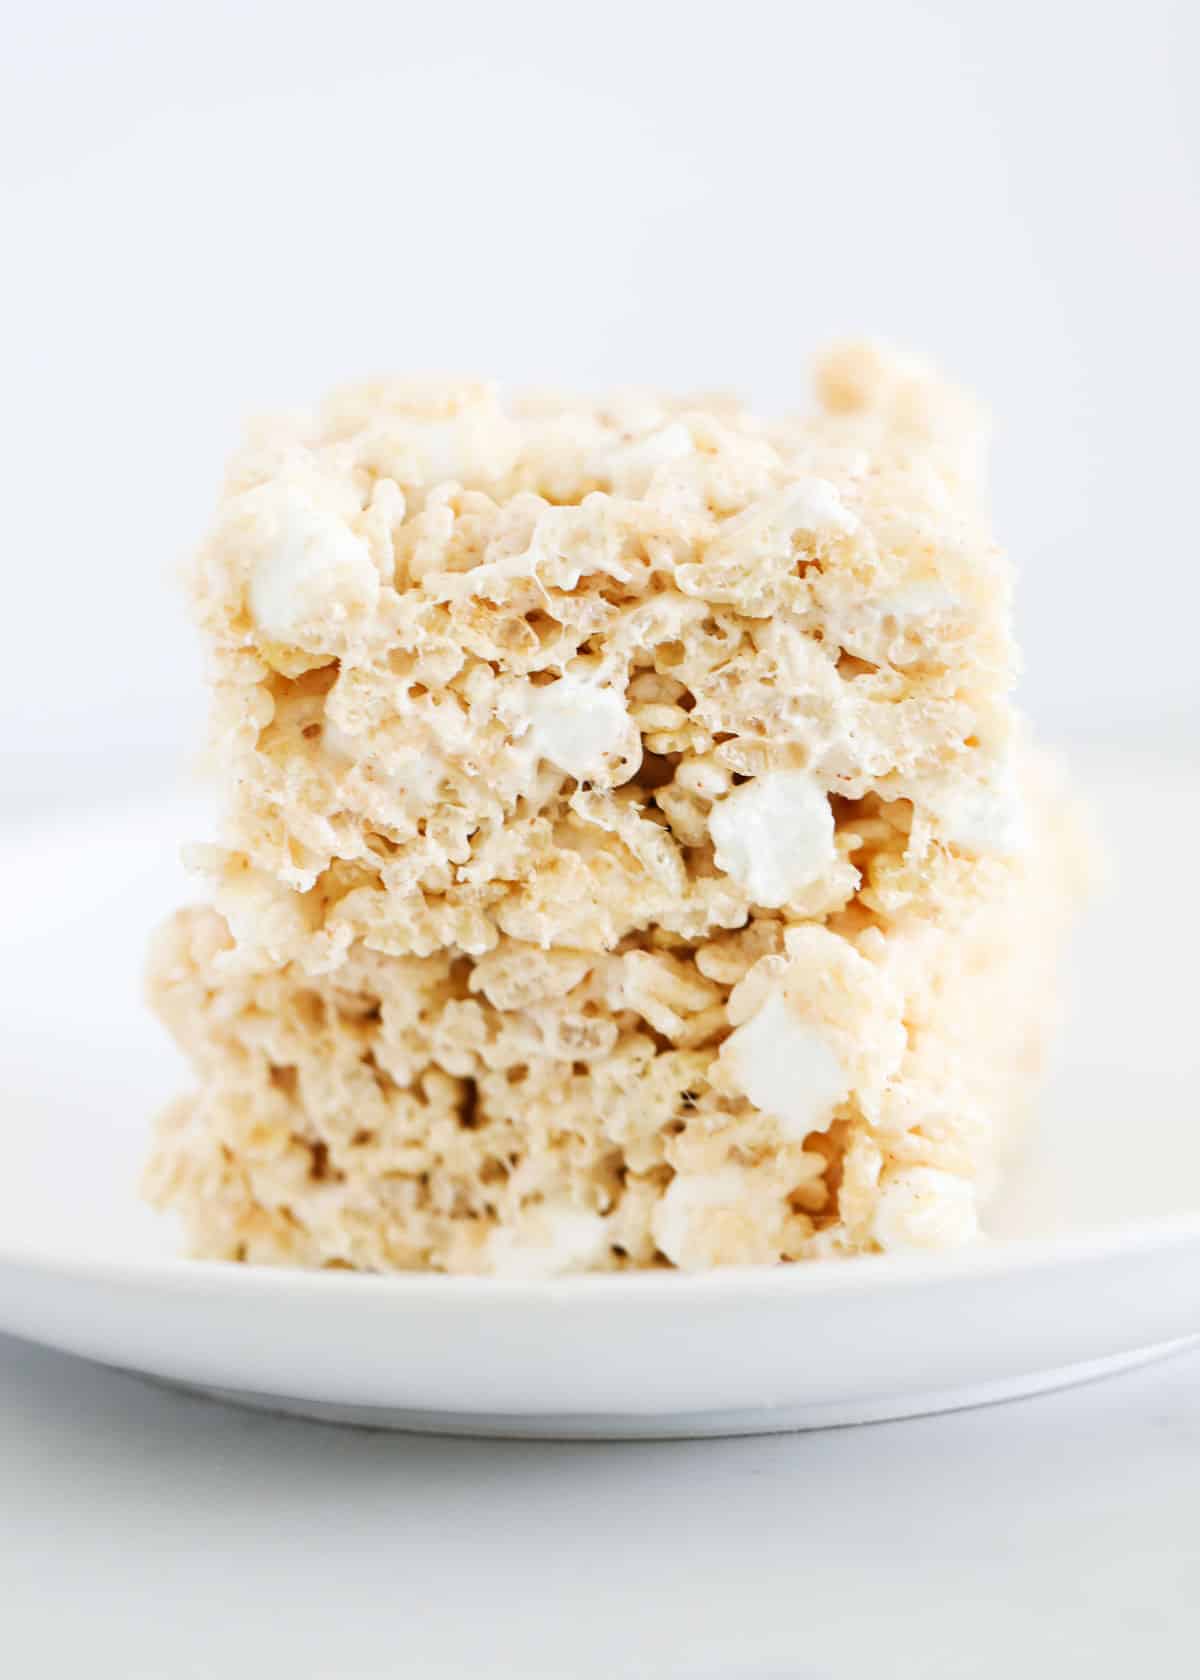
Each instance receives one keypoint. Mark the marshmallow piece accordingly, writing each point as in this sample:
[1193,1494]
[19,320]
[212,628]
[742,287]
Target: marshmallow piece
[689,1199]
[266,918]
[988,818]
[312,569]
[551,1239]
[815,506]
[630,467]
[923,1207]
[577,725]
[919,601]
[476,445]
[774,835]
[786,1067]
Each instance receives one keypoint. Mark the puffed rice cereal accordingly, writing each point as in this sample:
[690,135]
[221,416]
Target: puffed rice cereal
[631,855]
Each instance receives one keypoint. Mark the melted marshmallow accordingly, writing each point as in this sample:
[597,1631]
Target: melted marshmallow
[418,775]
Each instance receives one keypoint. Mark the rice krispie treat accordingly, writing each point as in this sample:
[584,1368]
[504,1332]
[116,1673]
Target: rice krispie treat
[630,855]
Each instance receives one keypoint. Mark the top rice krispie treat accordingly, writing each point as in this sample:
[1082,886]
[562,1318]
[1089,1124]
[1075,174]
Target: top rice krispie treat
[554,671]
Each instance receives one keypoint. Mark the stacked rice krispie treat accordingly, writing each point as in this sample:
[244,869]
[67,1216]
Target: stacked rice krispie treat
[631,855]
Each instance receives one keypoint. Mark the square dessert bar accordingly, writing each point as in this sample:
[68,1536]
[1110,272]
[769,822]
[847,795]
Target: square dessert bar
[630,852]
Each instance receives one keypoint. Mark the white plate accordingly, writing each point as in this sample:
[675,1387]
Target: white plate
[1094,1261]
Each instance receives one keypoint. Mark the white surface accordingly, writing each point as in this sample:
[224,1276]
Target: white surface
[1098,1250]
[150,1536]
[216,207]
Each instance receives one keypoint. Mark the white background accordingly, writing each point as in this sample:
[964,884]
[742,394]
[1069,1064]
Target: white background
[210,208]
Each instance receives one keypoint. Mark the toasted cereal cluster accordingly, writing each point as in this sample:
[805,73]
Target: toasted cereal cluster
[629,856]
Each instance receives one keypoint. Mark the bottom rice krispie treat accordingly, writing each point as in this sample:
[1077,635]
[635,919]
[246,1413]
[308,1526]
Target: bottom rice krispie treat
[781,1091]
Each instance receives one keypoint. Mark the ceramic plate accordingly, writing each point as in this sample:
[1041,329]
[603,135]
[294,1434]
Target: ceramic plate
[1092,1259]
